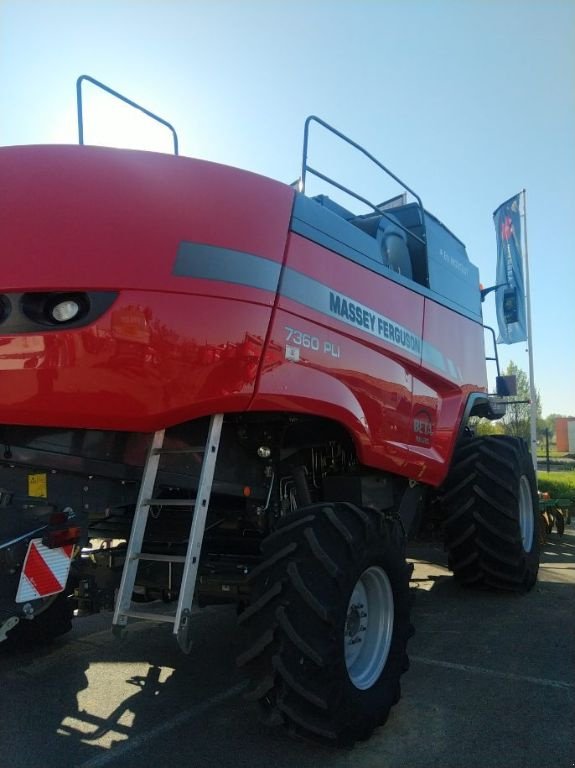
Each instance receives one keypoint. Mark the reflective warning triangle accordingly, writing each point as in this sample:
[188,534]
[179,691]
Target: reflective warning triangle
[45,571]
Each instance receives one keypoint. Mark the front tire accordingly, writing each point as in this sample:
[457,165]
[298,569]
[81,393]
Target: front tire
[328,624]
[491,515]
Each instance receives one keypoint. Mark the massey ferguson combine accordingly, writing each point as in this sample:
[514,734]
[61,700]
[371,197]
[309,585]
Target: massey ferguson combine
[214,389]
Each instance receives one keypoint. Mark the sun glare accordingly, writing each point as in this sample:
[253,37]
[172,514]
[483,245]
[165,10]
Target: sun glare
[109,122]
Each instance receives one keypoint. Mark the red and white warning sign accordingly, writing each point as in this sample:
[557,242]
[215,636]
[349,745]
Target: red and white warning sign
[45,571]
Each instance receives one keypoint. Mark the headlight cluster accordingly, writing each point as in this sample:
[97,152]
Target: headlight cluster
[55,308]
[24,312]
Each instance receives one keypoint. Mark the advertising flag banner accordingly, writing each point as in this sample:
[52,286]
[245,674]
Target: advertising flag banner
[510,296]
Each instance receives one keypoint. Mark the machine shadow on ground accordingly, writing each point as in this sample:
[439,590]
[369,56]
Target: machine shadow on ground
[483,668]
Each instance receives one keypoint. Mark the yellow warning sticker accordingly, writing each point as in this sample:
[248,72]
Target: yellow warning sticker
[38,485]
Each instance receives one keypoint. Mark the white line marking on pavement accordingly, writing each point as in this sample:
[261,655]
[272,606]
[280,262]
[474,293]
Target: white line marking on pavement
[493,673]
[122,749]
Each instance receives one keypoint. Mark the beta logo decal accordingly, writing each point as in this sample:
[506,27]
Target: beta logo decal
[423,427]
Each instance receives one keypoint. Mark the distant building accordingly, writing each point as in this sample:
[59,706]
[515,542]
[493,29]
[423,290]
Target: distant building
[565,431]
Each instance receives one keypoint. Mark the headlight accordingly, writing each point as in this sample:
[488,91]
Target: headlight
[33,311]
[55,308]
[64,311]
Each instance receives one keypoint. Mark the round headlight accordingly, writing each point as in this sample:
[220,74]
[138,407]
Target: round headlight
[64,311]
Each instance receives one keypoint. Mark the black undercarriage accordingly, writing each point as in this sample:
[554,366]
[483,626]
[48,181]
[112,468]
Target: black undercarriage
[269,466]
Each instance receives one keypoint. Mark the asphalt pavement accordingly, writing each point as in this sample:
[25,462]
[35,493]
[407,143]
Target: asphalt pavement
[491,685]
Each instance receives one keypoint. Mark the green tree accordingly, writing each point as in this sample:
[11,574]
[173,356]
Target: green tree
[485,427]
[516,421]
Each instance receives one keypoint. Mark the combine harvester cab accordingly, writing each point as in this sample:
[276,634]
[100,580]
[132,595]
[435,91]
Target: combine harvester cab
[215,389]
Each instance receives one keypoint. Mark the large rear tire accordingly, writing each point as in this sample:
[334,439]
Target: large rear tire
[491,515]
[328,624]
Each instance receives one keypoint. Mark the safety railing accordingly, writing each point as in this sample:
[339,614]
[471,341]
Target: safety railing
[306,168]
[112,92]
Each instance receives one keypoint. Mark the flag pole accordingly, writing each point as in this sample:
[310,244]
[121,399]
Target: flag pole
[532,390]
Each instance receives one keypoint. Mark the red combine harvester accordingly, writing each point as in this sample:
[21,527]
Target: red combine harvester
[215,389]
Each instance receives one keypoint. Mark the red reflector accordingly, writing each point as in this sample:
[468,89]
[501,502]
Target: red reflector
[55,539]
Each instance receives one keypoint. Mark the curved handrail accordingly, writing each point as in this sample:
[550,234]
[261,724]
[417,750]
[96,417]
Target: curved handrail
[112,92]
[307,168]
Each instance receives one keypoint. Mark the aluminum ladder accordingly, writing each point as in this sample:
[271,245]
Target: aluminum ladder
[181,619]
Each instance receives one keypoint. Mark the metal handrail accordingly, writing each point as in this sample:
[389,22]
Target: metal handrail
[112,92]
[496,358]
[305,168]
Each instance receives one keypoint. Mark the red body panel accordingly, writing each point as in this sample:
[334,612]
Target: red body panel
[141,367]
[443,394]
[368,384]
[113,219]
[176,347]
[171,348]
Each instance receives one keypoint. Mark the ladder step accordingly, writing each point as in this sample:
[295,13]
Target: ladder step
[125,608]
[171,502]
[160,558]
[156,611]
[150,615]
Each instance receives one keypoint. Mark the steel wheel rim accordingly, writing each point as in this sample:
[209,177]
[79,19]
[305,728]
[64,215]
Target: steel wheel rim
[526,524]
[368,628]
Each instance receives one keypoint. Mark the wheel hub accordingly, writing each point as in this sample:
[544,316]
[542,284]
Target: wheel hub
[368,627]
[526,522]
[353,621]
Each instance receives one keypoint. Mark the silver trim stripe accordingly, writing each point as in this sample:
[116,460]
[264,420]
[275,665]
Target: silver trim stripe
[322,298]
[210,262]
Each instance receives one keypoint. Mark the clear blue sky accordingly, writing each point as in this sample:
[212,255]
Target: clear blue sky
[468,101]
